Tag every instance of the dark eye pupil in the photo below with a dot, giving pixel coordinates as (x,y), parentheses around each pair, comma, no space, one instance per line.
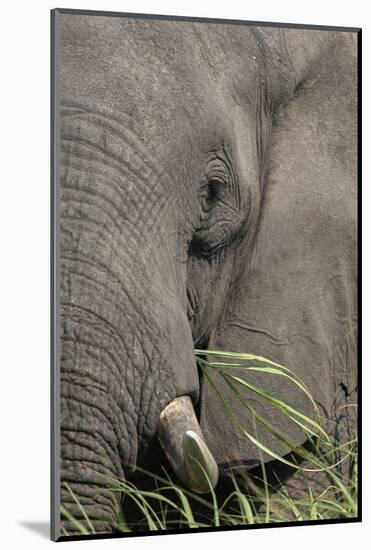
(216,189)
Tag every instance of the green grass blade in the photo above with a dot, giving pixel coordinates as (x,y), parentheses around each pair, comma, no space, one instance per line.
(80,507)
(279,370)
(244,504)
(79,526)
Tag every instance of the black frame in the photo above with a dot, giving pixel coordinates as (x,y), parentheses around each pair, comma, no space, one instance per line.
(54,274)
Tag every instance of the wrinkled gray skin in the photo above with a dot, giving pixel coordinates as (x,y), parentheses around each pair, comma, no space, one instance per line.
(208,198)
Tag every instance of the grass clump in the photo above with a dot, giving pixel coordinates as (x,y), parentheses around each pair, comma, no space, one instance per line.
(257,499)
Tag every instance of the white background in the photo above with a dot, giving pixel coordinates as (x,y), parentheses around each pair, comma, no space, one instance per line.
(24,271)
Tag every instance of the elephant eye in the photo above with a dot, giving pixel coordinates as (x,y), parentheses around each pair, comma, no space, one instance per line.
(216,189)
(213,192)
(220,215)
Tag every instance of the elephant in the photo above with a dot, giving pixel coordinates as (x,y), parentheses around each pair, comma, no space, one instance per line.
(208,199)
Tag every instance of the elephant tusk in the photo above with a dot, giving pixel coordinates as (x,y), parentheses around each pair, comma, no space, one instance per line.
(199,461)
(182,441)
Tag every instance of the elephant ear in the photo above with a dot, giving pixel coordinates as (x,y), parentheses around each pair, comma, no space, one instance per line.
(295,301)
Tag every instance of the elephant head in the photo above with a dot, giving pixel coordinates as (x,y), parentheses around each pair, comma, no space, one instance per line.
(207,199)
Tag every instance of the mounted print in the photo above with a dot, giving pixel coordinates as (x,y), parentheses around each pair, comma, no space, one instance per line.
(204,277)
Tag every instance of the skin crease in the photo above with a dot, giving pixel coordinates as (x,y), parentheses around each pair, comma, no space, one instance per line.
(156,258)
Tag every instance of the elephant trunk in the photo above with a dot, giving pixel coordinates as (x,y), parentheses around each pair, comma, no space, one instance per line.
(87,501)
(98,431)
(126,344)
